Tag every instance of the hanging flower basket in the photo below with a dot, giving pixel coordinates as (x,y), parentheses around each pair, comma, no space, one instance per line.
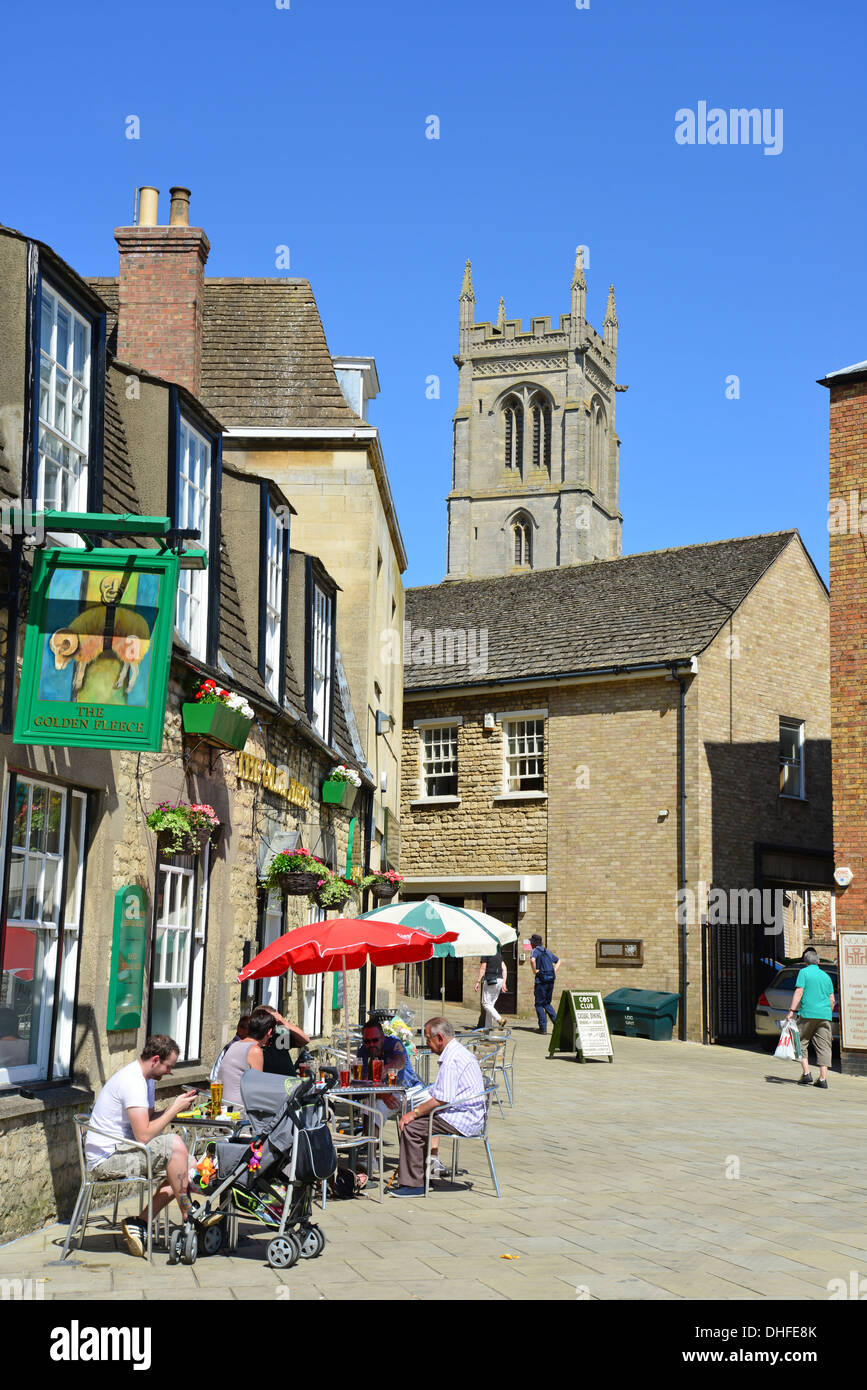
(297,885)
(183,829)
(384,892)
(332,902)
(294,872)
(340,787)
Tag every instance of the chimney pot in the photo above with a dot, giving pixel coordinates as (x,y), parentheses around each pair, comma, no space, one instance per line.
(179,216)
(148,206)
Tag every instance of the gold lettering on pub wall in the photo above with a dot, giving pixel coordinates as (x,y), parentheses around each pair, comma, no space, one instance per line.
(275,779)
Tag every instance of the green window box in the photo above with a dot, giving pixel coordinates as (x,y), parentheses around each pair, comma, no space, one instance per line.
(217,723)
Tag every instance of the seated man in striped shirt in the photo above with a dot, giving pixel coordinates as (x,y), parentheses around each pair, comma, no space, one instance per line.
(459,1078)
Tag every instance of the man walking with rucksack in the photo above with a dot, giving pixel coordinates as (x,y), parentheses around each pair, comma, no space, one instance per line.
(544,965)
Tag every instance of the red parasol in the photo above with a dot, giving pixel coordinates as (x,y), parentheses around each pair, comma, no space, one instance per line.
(345,943)
(19,951)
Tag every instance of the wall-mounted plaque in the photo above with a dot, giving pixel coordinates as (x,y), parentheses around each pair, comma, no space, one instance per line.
(618,951)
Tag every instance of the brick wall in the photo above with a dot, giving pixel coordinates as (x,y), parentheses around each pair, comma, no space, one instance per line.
(848,475)
(161,296)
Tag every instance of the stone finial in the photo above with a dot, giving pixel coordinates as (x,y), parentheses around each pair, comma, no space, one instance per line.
(611,311)
(467,286)
(501,316)
(578,281)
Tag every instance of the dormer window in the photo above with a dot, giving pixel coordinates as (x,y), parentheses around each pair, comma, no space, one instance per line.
(65,404)
(321,606)
(275,568)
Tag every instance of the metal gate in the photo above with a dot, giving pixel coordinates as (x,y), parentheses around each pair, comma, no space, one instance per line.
(732,956)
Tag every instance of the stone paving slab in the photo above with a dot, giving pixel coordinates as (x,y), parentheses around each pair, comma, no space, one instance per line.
(615,1187)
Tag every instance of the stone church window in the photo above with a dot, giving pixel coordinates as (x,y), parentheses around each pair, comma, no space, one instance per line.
(522,533)
(541,417)
(513,420)
(598,446)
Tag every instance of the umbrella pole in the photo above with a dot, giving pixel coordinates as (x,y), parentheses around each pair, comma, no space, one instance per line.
(345,1012)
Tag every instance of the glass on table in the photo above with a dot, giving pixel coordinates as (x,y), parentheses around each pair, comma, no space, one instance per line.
(356,1071)
(376,1071)
(216,1098)
(392,1078)
(344,1079)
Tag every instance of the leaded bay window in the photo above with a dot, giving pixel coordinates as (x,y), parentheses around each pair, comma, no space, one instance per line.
(193,511)
(439,760)
(41,920)
(524,755)
(65,345)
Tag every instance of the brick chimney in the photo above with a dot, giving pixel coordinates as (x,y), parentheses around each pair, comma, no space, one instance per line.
(161,291)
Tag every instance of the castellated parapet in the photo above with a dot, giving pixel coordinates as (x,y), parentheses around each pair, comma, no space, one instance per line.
(536,471)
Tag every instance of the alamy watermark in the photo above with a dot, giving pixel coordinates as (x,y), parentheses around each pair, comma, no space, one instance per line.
(736,126)
(22,519)
(739,907)
(445,646)
(848,516)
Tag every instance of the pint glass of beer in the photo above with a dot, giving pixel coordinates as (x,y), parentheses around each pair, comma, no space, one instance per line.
(216,1098)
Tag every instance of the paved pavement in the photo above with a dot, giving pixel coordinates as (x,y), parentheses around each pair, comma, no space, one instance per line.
(680,1172)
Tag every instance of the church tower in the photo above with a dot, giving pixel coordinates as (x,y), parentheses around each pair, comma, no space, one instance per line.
(535,481)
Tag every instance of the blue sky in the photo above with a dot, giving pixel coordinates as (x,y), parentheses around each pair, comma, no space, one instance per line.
(306,127)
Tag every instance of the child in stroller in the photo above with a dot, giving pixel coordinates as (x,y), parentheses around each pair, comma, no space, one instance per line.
(269,1175)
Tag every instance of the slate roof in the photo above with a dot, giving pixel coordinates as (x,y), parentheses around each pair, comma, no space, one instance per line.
(659,606)
(265,358)
(118,489)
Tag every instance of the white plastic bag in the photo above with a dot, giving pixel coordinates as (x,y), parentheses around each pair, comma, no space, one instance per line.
(789,1045)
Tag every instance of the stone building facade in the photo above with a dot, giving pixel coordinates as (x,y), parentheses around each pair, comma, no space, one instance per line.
(613,774)
(536,470)
(122,439)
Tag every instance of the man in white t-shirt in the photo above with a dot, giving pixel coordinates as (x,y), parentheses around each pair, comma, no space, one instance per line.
(125,1108)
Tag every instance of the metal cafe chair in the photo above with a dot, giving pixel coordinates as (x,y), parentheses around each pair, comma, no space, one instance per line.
(457,1139)
(490,1053)
(91,1184)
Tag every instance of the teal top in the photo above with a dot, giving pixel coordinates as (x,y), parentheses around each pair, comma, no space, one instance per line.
(818,988)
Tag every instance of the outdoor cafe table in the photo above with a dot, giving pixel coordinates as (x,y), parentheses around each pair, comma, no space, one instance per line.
(367,1092)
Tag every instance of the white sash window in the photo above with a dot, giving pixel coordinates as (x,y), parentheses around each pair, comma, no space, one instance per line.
(42,919)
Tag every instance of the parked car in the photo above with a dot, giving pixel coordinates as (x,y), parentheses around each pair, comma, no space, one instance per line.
(775,1001)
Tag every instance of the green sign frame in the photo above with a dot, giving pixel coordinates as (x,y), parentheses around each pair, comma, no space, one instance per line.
(98,648)
(128,948)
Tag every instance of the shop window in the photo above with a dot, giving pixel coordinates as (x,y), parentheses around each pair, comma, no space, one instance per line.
(42,910)
(178,951)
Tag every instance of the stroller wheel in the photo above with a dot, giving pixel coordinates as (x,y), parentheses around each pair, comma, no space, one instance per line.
(312,1242)
(191,1248)
(176,1242)
(212,1240)
(284,1251)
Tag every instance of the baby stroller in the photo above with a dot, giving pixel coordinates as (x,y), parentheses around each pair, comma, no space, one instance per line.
(270,1175)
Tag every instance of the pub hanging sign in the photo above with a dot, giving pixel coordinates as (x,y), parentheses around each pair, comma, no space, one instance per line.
(98,647)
